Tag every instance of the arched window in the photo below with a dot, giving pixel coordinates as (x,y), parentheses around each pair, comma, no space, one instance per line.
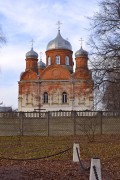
(67,60)
(64,97)
(57,59)
(45,97)
(49,60)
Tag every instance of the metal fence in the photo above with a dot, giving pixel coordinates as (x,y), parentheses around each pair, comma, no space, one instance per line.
(59,123)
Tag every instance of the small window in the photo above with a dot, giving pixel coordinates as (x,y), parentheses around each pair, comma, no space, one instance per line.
(49,60)
(57,59)
(45,97)
(67,60)
(64,97)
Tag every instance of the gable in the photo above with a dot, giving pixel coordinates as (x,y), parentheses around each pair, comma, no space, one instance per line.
(55,72)
(29,75)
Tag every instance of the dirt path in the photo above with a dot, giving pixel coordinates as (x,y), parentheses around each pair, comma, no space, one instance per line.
(44,170)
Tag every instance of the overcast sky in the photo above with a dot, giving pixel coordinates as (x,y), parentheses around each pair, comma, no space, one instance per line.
(24,20)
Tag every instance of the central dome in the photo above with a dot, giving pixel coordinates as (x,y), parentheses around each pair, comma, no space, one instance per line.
(59,43)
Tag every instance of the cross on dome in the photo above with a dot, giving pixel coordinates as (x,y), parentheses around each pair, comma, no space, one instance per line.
(58,24)
(32,41)
(81,40)
(41,56)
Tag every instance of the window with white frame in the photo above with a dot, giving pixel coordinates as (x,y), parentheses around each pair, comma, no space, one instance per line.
(64,97)
(45,97)
(67,60)
(57,59)
(49,60)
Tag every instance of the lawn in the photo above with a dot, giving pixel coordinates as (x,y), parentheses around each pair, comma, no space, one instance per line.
(106,147)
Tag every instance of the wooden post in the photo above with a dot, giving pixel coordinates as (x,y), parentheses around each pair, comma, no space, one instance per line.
(75,155)
(95,169)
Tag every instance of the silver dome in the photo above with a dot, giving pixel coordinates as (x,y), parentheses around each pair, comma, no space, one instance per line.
(31,54)
(81,52)
(41,64)
(59,43)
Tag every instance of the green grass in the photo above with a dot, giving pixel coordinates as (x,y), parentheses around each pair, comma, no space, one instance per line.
(26,147)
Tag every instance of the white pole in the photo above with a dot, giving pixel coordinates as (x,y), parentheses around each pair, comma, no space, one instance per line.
(95,169)
(75,155)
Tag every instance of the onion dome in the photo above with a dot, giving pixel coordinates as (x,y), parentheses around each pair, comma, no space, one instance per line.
(81,53)
(59,43)
(41,64)
(31,54)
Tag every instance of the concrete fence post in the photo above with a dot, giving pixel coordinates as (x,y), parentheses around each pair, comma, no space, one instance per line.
(21,123)
(95,169)
(75,155)
(48,123)
(101,123)
(74,119)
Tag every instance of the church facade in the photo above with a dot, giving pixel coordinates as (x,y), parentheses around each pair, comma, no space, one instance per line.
(54,86)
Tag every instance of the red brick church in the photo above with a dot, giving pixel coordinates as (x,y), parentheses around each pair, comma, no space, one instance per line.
(53,85)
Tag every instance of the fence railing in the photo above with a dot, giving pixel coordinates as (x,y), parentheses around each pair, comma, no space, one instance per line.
(55,123)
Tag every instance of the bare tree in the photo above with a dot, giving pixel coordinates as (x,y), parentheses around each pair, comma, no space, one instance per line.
(105,48)
(2,37)
(2,41)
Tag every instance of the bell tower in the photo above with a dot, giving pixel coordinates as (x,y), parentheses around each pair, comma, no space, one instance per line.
(31,59)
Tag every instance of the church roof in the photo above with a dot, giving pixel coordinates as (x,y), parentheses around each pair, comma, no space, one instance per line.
(41,64)
(31,54)
(81,52)
(59,43)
